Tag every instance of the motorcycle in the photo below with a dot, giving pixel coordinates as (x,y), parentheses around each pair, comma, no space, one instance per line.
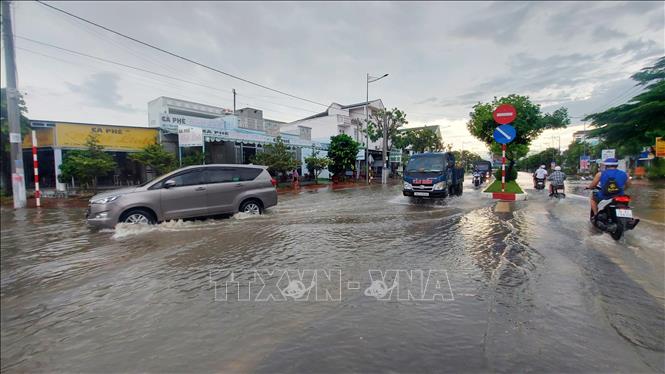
(477,179)
(557,192)
(614,216)
(540,183)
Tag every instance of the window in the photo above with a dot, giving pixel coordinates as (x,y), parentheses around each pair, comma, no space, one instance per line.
(189,178)
(249,174)
(224,175)
(218,175)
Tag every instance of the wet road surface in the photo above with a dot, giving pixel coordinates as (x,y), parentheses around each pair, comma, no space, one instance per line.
(535,289)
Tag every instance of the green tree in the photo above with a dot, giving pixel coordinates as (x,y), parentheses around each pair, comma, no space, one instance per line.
(545,157)
(315,164)
(420,140)
(86,165)
(192,157)
(530,123)
(392,119)
(277,157)
(5,150)
(636,124)
(156,158)
(466,159)
(342,153)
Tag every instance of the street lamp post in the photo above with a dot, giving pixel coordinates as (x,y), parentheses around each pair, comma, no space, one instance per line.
(369,80)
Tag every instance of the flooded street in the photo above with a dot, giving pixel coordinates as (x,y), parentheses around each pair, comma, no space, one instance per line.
(535,289)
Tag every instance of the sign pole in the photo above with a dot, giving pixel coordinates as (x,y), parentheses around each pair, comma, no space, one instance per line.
(180,155)
(35,165)
(503,168)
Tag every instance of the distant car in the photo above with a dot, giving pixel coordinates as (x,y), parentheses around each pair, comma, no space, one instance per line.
(190,192)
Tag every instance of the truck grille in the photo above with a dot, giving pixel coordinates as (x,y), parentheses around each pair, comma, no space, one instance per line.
(422,188)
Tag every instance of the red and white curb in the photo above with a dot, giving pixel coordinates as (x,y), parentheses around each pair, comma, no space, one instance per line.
(506,196)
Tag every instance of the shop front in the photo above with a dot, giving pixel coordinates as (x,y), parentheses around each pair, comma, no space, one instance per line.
(55,139)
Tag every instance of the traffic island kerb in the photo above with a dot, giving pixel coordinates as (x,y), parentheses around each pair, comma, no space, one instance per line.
(494,192)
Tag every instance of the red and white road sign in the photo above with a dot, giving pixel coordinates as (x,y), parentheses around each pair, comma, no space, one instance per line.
(504,114)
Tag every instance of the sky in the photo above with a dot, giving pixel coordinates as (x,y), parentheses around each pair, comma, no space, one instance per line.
(441,57)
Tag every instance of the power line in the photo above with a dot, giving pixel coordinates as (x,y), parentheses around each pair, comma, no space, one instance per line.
(149,72)
(177,55)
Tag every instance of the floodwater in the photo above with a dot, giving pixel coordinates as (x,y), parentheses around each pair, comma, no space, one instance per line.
(534,289)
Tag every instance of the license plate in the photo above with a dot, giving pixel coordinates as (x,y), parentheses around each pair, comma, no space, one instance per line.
(421,194)
(624,213)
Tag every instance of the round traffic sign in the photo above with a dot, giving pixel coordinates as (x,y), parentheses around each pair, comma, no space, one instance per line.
(504,114)
(504,134)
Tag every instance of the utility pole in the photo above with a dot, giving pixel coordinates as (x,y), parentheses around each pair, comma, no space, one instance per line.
(13,114)
(234,101)
(384,172)
(366,132)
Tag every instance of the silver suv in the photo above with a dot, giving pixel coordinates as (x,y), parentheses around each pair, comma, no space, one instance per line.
(194,191)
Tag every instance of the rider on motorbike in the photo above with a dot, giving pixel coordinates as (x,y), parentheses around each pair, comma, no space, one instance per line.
(540,173)
(612,183)
(556,179)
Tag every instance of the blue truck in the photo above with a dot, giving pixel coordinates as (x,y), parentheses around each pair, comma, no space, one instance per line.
(432,175)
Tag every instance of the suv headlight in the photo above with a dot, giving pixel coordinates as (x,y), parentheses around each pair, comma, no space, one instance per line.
(439,186)
(408,186)
(104,200)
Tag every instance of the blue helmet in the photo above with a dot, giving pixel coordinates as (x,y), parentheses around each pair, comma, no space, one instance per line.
(611,162)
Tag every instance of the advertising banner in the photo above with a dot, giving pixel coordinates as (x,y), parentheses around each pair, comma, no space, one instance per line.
(112,138)
(585,162)
(660,147)
(190,136)
(607,153)
(44,138)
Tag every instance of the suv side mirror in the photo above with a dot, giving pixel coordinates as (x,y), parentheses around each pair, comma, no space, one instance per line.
(169,183)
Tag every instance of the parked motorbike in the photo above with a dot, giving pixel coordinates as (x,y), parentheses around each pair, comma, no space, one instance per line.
(540,183)
(614,216)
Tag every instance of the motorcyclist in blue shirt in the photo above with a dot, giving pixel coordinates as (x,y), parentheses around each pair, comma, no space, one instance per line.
(611,181)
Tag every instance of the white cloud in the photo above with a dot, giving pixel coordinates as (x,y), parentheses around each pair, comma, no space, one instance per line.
(442,57)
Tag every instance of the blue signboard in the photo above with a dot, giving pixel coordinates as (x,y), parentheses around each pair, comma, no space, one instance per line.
(504,134)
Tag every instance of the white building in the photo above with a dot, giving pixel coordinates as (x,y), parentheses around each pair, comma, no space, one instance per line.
(343,119)
(228,137)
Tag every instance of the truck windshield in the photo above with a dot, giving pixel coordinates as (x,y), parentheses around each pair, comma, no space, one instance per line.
(482,167)
(426,164)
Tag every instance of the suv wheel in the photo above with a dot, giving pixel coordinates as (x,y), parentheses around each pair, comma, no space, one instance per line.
(138,217)
(251,207)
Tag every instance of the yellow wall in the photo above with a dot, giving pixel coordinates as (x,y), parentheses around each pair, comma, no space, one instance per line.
(44,138)
(660,147)
(70,135)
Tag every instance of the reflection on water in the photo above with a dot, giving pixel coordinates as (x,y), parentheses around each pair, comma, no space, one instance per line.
(531,290)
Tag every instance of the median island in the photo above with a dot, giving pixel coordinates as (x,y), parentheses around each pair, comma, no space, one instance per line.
(511,187)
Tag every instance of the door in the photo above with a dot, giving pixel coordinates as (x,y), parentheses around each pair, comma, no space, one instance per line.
(187,198)
(225,184)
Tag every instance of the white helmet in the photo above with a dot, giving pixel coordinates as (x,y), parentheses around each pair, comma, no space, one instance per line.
(542,166)
(557,168)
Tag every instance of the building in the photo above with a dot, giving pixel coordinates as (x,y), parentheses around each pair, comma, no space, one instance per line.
(56,138)
(224,136)
(344,119)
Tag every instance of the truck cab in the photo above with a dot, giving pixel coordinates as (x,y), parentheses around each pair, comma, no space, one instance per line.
(432,175)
